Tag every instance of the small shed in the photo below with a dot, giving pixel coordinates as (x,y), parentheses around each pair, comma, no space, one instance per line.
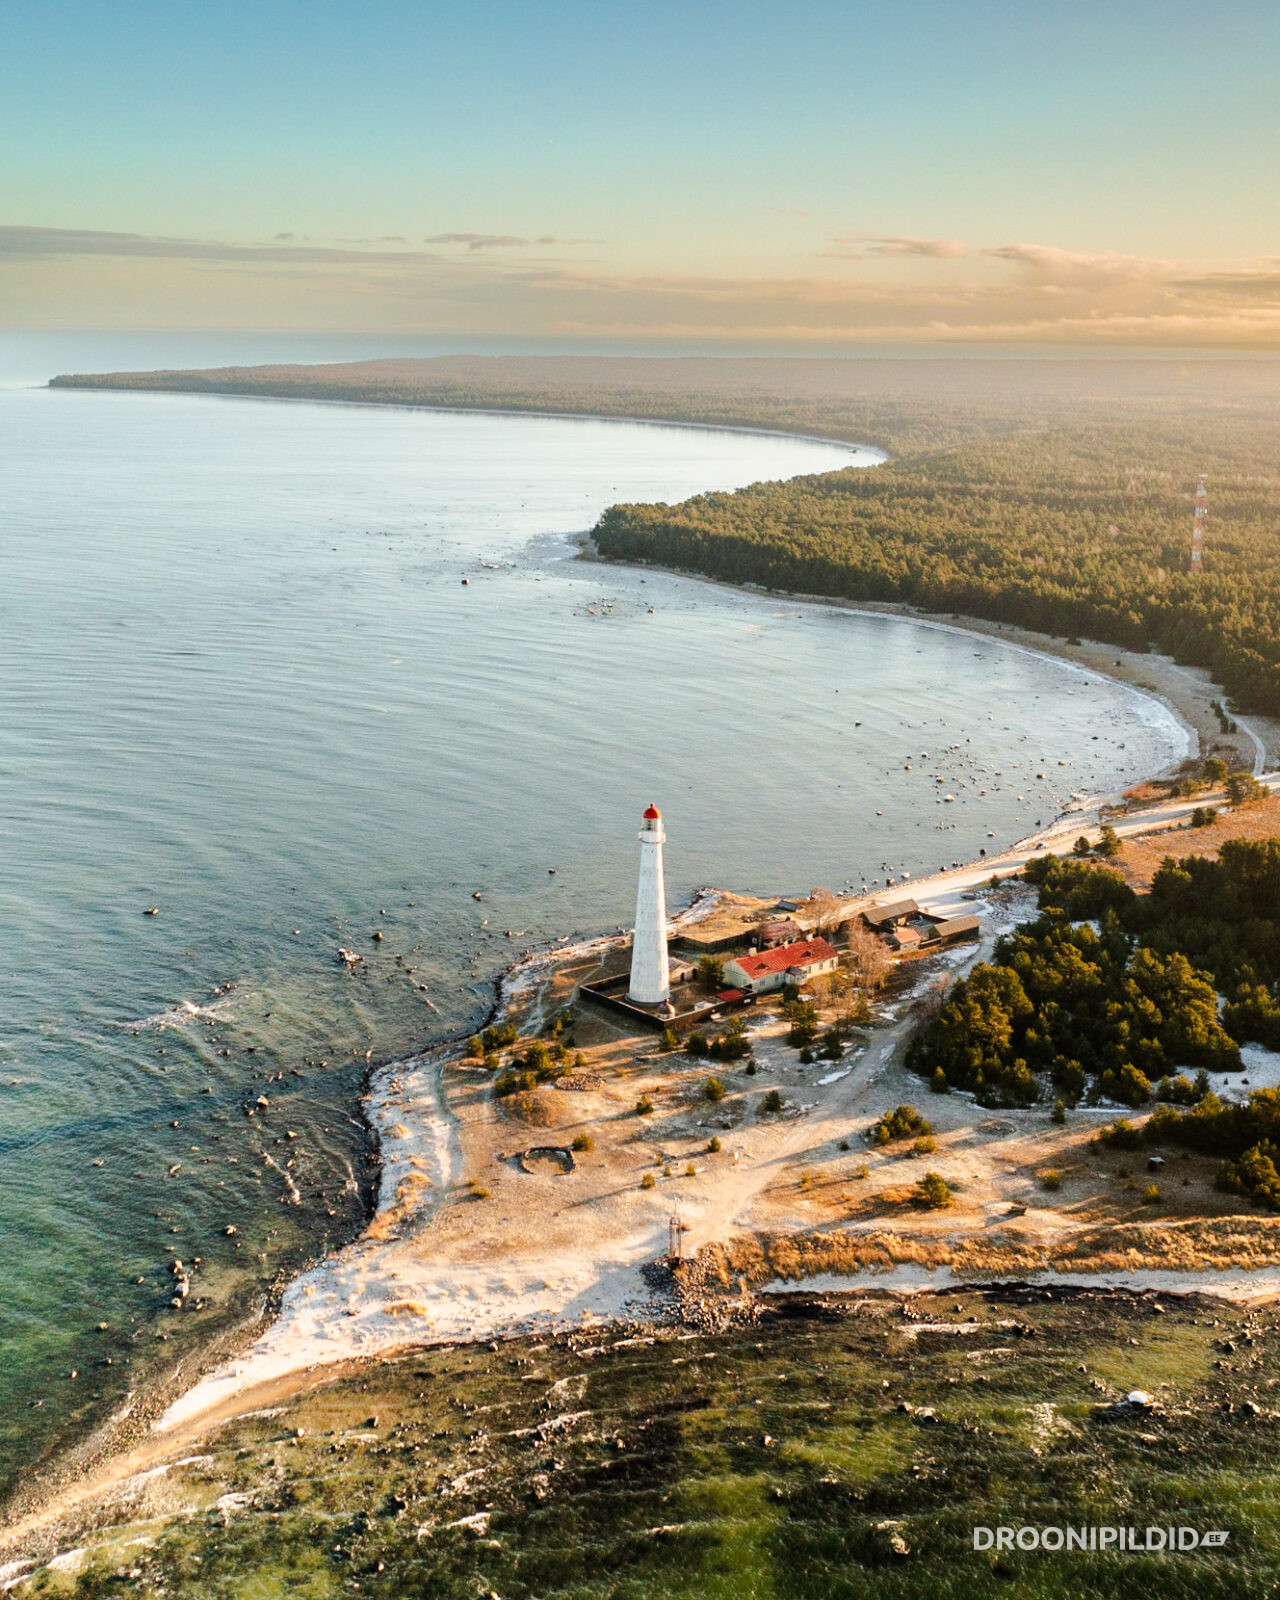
(781,930)
(953,929)
(881,918)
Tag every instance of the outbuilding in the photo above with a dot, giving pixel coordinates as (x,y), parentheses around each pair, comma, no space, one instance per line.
(952,929)
(881,918)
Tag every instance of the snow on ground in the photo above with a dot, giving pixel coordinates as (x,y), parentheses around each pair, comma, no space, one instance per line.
(1261,1284)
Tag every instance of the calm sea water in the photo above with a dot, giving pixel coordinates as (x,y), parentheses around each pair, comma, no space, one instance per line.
(243,682)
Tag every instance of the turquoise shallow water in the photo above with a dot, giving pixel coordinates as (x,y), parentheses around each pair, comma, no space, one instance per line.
(242,681)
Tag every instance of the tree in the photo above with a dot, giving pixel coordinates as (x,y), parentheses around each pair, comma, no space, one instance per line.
(1243,789)
(868,959)
(1109,844)
(711,972)
(1214,771)
(803,1015)
(713,1090)
(1081,847)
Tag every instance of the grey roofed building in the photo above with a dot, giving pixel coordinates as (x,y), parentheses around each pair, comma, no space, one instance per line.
(886,915)
(953,928)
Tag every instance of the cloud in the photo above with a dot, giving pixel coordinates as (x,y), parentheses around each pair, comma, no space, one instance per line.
(896,244)
(477,241)
(499,241)
(1075,269)
(498,285)
(37,243)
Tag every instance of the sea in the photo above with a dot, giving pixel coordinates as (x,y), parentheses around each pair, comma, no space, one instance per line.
(279,679)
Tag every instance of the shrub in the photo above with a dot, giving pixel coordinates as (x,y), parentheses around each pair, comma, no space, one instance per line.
(668,1041)
(1255,1174)
(1121,1135)
(695,1045)
(1050,1178)
(1127,1084)
(583,1142)
(475,1046)
(648,1181)
(924,1147)
(644,1106)
(932,1193)
(902,1123)
(713,1090)
(751,1068)
(806,1056)
(1204,816)
(479,1192)
(514,1081)
(1150,1195)
(713,1146)
(860,1171)
(1181,1091)
(730,1046)
(691,1171)
(1059,1112)
(772,1102)
(938,1083)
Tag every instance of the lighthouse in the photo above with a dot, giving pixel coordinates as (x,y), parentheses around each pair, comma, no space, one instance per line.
(650,981)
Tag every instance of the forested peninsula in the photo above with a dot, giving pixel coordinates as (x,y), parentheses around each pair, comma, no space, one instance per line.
(1055,495)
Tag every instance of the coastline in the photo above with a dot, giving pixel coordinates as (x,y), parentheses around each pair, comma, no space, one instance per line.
(386,1103)
(1185,693)
(486,411)
(1183,690)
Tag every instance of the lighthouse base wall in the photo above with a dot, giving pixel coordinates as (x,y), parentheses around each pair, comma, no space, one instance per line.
(689,1010)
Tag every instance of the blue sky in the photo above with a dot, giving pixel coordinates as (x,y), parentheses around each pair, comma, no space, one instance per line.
(823,171)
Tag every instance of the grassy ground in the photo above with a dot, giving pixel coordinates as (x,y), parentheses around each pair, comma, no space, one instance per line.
(837,1447)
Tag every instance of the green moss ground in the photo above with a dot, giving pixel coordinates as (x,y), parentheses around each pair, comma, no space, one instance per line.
(779,1459)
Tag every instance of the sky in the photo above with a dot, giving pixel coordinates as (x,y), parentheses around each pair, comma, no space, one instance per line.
(823,175)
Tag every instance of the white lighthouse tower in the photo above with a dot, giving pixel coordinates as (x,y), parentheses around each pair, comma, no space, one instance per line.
(650,980)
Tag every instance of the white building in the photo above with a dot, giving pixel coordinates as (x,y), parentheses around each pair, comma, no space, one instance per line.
(789,963)
(650,976)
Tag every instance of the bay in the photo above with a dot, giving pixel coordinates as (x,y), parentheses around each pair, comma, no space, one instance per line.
(243,682)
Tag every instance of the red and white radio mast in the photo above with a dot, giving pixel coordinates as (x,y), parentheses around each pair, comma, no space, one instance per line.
(1197,526)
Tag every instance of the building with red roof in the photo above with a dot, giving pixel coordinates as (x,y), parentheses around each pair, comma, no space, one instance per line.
(789,963)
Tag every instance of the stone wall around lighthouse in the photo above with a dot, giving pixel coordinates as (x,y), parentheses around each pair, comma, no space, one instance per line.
(650,978)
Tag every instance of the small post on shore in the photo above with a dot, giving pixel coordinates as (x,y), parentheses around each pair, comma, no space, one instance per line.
(675,1228)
